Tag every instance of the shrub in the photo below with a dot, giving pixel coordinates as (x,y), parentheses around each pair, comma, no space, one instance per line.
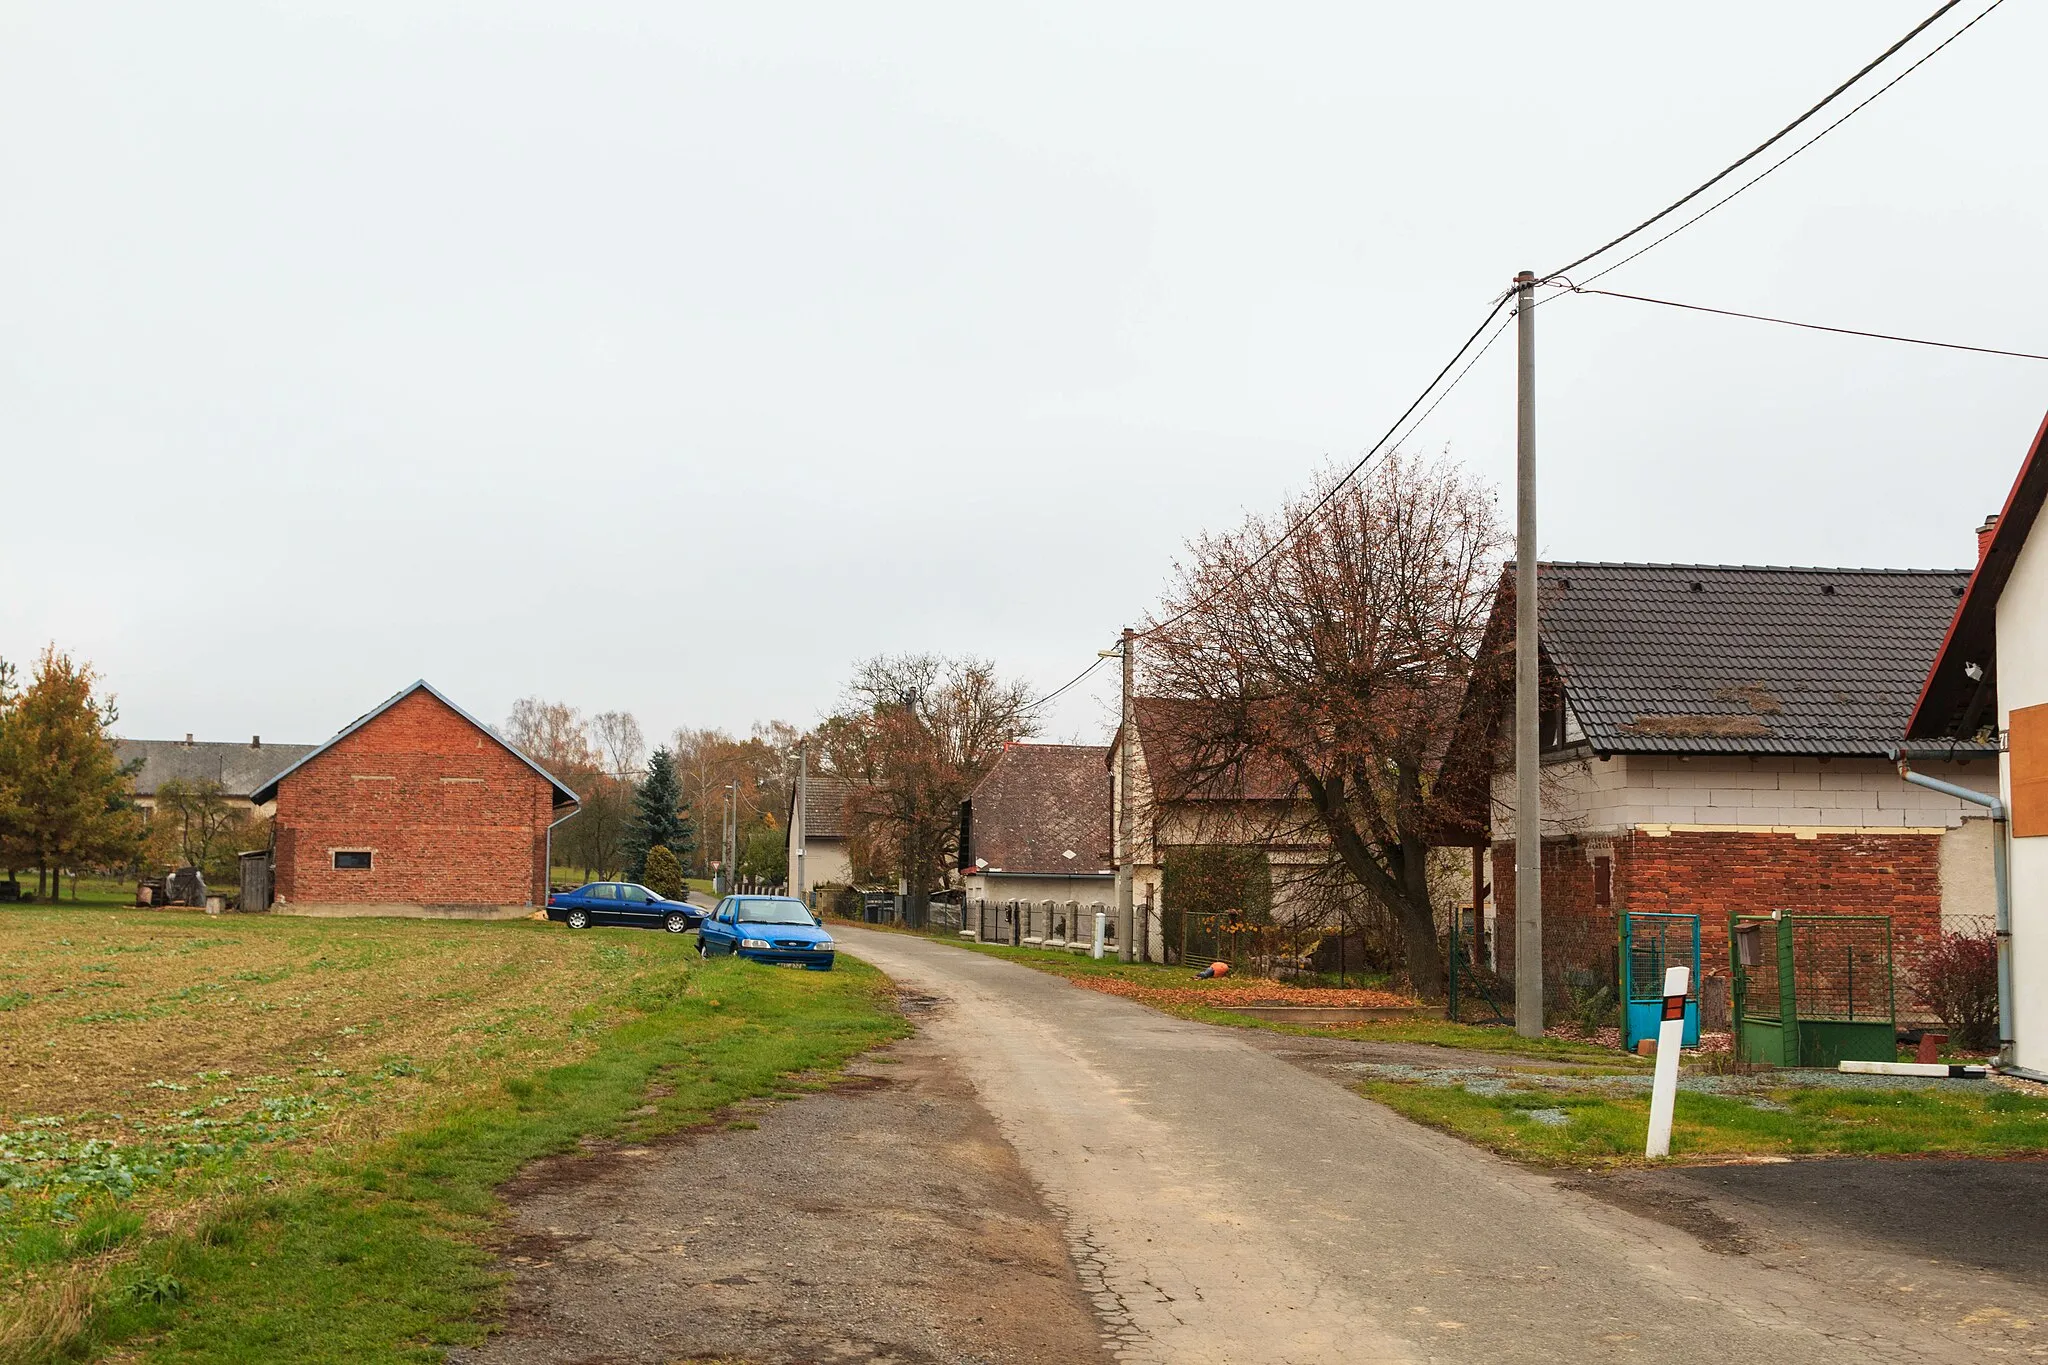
(663,874)
(1958,984)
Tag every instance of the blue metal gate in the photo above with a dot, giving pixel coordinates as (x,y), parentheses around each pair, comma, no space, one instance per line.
(1649,944)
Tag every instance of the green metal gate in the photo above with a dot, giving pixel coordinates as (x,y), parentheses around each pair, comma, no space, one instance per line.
(1813,990)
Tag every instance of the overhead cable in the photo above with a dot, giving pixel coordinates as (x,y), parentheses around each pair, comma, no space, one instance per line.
(1866,103)
(1069,683)
(1815,326)
(1760,148)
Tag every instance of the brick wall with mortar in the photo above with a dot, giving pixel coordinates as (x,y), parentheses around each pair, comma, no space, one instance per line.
(1715,873)
(450,816)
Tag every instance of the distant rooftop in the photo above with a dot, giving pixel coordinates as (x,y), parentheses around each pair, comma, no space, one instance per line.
(240,768)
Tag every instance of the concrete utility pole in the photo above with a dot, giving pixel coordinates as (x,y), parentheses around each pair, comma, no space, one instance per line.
(1126,868)
(803,832)
(1528,740)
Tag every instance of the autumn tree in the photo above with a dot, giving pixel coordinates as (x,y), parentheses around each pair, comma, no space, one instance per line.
(763,767)
(67,801)
(1339,655)
(915,733)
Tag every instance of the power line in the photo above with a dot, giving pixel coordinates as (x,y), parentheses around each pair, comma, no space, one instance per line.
(1608,270)
(1760,148)
(1815,326)
(1459,379)
(1306,517)
(1071,682)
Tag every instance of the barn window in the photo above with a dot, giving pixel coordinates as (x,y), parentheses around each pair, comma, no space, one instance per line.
(357,860)
(1603,882)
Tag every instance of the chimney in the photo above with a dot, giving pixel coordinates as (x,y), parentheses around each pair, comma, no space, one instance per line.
(255,741)
(188,739)
(1984,534)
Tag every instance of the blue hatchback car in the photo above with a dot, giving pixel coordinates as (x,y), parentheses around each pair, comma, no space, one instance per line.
(774,929)
(627,903)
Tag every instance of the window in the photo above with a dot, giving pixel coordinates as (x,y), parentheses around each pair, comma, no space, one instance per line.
(1603,882)
(633,893)
(604,891)
(351,860)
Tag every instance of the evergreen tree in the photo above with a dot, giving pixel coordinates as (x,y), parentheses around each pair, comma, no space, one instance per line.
(663,875)
(658,817)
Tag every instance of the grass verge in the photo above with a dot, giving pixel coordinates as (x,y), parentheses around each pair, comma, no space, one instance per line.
(1590,1126)
(308,1201)
(1174,990)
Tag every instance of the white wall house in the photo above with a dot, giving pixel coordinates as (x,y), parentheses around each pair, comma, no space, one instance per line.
(1991,681)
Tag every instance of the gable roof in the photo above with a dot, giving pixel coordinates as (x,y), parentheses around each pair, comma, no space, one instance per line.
(239,768)
(1039,802)
(1682,658)
(824,812)
(563,796)
(1948,694)
(1173,736)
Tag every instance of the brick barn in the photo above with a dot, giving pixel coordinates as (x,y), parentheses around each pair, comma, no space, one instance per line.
(416,809)
(1715,740)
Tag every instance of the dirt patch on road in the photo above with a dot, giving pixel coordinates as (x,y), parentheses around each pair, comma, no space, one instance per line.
(883,1220)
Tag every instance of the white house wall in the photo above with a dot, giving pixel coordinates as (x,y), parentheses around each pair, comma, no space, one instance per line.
(2022,624)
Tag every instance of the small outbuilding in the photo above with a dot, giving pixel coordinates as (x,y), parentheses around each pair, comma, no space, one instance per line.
(416,809)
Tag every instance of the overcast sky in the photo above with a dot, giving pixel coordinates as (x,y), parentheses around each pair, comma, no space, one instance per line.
(672,357)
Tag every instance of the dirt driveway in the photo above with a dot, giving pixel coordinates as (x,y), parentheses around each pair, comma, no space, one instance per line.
(882,1221)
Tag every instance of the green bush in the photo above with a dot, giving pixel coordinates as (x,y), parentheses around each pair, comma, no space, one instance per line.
(663,874)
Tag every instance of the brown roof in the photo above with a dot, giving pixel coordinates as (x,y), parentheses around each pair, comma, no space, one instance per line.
(1178,739)
(1951,702)
(824,806)
(1038,803)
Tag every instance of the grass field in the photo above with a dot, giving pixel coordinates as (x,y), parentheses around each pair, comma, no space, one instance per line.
(275,1139)
(1583,1125)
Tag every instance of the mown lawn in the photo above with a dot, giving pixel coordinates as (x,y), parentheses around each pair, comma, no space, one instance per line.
(1175,991)
(1594,1126)
(276,1139)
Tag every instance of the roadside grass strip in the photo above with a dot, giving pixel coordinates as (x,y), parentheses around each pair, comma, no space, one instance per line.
(1175,991)
(282,1145)
(1595,1119)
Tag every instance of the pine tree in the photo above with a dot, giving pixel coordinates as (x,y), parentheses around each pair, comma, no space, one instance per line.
(658,818)
(663,875)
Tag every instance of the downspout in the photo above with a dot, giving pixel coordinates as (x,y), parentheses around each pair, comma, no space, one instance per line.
(2000,878)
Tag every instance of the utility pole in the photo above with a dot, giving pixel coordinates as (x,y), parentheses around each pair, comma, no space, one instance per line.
(802,826)
(1528,740)
(1126,867)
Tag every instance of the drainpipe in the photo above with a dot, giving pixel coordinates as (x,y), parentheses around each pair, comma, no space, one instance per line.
(2000,877)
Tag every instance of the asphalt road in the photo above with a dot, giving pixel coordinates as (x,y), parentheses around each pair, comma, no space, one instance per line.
(1226,1206)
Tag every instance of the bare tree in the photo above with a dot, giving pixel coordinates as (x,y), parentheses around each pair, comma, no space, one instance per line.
(1340,655)
(915,733)
(620,746)
(552,734)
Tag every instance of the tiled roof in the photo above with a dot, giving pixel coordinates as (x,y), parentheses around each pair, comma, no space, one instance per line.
(239,768)
(824,806)
(1677,658)
(1191,754)
(1040,802)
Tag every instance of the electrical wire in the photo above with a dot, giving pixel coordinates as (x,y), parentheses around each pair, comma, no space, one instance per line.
(1760,148)
(1608,270)
(1814,326)
(1074,681)
(1306,517)
(1459,379)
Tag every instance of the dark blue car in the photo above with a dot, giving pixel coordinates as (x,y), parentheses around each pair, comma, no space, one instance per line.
(775,929)
(626,903)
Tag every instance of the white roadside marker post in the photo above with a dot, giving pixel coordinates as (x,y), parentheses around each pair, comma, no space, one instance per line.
(1670,1039)
(1101,929)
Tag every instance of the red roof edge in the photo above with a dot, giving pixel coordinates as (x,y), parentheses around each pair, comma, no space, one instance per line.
(1980,598)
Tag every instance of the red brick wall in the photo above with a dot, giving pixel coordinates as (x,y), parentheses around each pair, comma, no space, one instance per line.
(1713,875)
(450,816)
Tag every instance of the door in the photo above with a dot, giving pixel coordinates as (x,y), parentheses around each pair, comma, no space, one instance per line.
(602,901)
(719,932)
(635,906)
